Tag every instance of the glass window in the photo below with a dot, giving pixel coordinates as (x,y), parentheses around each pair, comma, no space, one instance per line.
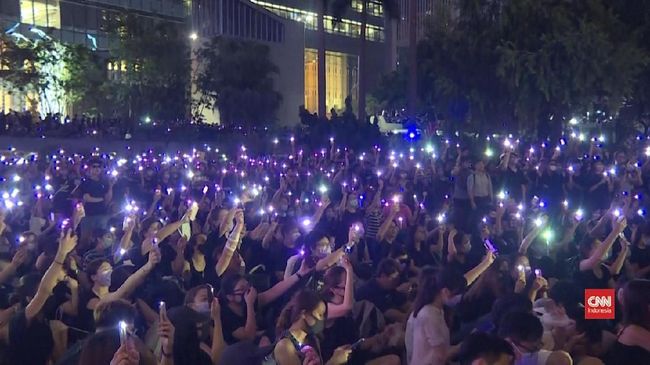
(42,13)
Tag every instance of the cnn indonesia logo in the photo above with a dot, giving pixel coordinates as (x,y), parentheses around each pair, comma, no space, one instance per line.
(599,304)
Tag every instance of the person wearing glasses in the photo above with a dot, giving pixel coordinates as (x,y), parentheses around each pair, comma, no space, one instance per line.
(96,193)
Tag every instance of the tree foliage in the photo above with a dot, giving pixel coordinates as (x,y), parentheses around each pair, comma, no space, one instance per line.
(237,77)
(155,79)
(522,63)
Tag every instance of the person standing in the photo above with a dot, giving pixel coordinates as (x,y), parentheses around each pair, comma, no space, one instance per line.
(96,194)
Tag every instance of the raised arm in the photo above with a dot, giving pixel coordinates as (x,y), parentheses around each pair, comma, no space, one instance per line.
(218,343)
(451,247)
(268,236)
(280,288)
(71,307)
(167,230)
(387,222)
(135,280)
(530,237)
(601,250)
(231,245)
(67,243)
(479,269)
(341,310)
(617,265)
(10,270)
(249,331)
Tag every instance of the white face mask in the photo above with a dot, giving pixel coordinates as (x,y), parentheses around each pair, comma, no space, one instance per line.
(104,277)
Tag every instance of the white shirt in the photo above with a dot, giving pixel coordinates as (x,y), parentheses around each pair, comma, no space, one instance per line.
(423,334)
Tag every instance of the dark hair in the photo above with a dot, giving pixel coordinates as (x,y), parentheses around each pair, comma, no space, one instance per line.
(568,295)
(483,346)
(510,303)
(387,267)
(586,244)
(636,300)
(432,281)
(193,292)
(100,347)
(305,300)
(119,276)
(93,266)
(312,239)
(288,226)
(521,327)
(109,314)
(330,280)
(228,284)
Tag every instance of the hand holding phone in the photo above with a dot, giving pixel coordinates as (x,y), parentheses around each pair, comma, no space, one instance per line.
(357,344)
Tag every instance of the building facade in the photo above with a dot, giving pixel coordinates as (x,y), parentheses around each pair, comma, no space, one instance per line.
(241,19)
(428,12)
(342,43)
(76,21)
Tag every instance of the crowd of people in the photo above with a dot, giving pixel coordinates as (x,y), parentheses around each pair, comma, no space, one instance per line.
(26,124)
(441,251)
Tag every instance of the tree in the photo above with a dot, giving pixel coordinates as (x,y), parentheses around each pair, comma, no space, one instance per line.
(237,77)
(390,7)
(566,59)
(84,78)
(522,63)
(36,66)
(154,65)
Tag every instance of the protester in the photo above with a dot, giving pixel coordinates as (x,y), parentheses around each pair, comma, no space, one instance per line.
(408,254)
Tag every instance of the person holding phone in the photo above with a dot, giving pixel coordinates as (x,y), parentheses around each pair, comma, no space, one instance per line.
(299,323)
(242,302)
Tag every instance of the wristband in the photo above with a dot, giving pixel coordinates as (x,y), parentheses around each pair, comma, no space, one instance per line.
(60,263)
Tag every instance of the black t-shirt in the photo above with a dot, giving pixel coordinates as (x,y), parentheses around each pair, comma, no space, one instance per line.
(231,321)
(29,343)
(602,192)
(278,255)
(640,256)
(589,280)
(61,199)
(381,298)
(96,189)
(511,181)
(628,355)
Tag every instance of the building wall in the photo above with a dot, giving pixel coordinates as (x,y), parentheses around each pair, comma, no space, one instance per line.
(341,40)
(241,19)
(75,21)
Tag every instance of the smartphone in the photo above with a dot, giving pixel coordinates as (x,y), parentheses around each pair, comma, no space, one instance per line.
(162,309)
(357,344)
(123,333)
(489,246)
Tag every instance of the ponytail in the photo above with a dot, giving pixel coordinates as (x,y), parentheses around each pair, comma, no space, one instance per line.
(304,300)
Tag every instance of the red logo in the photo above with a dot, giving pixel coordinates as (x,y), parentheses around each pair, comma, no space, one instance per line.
(599,304)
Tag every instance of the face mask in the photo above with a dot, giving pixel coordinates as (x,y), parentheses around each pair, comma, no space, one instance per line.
(354,204)
(552,168)
(317,328)
(104,278)
(202,307)
(31,246)
(108,242)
